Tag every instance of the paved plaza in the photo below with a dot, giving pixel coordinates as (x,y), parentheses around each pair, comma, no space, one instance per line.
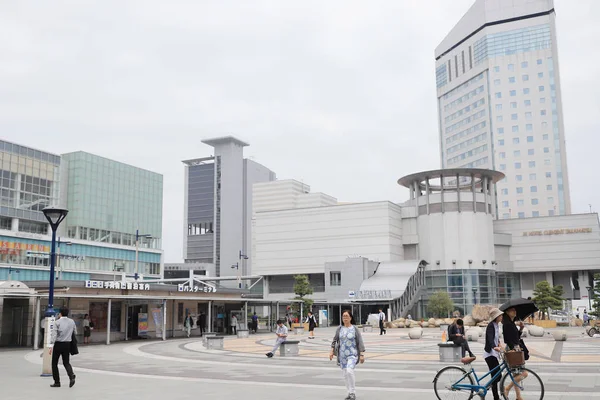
(395,367)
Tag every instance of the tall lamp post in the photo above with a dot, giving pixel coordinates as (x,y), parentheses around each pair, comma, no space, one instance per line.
(60,271)
(242,258)
(474,296)
(137,242)
(54,216)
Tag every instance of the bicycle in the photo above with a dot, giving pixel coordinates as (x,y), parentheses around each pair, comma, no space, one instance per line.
(452,381)
(593,331)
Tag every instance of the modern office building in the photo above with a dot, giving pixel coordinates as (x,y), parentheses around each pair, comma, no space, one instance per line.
(218,207)
(446,237)
(500,104)
(107,202)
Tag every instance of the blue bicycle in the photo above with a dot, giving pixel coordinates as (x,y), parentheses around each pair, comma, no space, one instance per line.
(454,382)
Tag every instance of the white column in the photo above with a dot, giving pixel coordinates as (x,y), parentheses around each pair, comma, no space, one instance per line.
(485,192)
(14,226)
(209,321)
(36,324)
(108,321)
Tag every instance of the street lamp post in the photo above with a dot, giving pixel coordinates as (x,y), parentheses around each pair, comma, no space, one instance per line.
(137,241)
(242,258)
(58,267)
(54,216)
(474,296)
(237,266)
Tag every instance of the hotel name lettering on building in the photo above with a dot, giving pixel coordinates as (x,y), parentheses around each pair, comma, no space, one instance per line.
(374,294)
(186,288)
(117,285)
(551,232)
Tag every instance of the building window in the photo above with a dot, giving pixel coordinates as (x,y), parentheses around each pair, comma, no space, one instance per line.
(533,189)
(524,64)
(548,174)
(502,155)
(514,117)
(536,213)
(496,69)
(539,61)
(526,91)
(498,95)
(513,92)
(540,74)
(542,100)
(544,124)
(335,279)
(550,200)
(501,142)
(521,215)
(515,128)
(546,150)
(498,107)
(505,204)
(502,167)
(511,67)
(499,118)
(529,128)
(548,187)
(497,82)
(518,165)
(516,140)
(519,178)
(513,104)
(545,136)
(505,191)
(534,202)
(520,203)
(532,177)
(512,79)
(528,116)
(527,103)
(525,78)
(530,152)
(543,112)
(517,153)
(519,190)
(529,139)
(531,164)
(551,213)
(500,131)
(541,89)
(547,162)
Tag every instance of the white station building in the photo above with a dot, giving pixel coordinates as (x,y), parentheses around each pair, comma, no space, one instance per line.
(445,237)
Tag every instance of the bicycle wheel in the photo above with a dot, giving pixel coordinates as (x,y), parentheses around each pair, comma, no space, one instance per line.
(449,376)
(592,332)
(532,387)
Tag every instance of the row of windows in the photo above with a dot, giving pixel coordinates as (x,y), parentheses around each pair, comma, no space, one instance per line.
(202,228)
(462,88)
(512,79)
(467,143)
(464,98)
(518,165)
(464,110)
(465,121)
(466,154)
(524,64)
(532,177)
(466,132)
(528,128)
(441,75)
(515,117)
(476,163)
(512,42)
(521,202)
(514,105)
(31,153)
(521,214)
(526,91)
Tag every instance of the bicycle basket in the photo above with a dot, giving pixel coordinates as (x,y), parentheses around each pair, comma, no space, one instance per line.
(515,358)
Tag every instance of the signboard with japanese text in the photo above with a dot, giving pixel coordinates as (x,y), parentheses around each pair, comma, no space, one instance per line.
(117,285)
(550,232)
(196,289)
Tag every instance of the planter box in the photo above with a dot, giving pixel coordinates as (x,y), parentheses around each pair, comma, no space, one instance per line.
(545,323)
(304,326)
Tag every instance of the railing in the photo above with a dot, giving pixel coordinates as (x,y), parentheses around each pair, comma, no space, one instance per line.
(290,289)
(402,305)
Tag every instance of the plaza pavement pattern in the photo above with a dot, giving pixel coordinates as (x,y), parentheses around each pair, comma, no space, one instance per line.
(183,369)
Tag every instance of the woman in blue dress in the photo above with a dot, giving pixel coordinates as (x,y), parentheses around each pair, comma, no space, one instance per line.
(350,348)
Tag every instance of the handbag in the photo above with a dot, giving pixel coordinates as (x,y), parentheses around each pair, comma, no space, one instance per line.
(73,350)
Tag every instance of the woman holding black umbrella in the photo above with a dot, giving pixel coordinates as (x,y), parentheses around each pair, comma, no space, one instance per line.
(512,338)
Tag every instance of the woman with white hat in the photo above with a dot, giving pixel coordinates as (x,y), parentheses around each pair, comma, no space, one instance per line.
(493,348)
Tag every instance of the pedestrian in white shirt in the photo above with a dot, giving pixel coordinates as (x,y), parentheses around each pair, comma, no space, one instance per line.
(233,324)
(61,337)
(282,333)
(381,322)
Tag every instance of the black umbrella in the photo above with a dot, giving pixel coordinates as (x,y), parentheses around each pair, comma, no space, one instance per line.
(524,307)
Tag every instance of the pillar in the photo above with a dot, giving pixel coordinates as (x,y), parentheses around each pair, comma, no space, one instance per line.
(209,319)
(164,330)
(126,321)
(458,190)
(277,311)
(245,316)
(442,192)
(36,324)
(494,195)
(14,226)
(474,192)
(108,322)
(485,192)
(427,190)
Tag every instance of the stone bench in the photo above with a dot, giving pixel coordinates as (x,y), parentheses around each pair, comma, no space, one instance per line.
(367,328)
(450,352)
(299,330)
(243,333)
(214,343)
(206,336)
(289,348)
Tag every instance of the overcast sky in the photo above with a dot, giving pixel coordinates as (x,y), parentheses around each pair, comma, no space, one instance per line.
(339,94)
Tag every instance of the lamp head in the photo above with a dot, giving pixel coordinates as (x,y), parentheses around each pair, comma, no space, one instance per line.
(55,216)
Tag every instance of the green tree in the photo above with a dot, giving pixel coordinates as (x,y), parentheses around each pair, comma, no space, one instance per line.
(302,288)
(595,297)
(547,296)
(440,304)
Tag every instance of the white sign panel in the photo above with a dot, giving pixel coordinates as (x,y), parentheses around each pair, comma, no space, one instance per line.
(117,285)
(195,289)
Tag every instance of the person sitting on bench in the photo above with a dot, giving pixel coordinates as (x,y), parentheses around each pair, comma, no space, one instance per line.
(456,333)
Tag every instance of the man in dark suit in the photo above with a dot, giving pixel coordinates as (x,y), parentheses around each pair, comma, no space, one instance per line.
(201,323)
(456,333)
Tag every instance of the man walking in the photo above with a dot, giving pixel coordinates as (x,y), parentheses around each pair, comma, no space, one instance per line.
(234,323)
(255,322)
(61,340)
(381,322)
(282,333)
(201,322)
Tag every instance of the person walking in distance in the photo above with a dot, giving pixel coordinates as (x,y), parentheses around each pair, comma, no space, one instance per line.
(349,347)
(312,324)
(493,348)
(87,330)
(201,322)
(233,324)
(187,325)
(456,333)
(61,338)
(282,333)
(254,322)
(382,329)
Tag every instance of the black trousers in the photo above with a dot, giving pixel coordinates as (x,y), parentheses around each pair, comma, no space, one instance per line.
(201,329)
(492,363)
(464,344)
(381,327)
(61,349)
(234,330)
